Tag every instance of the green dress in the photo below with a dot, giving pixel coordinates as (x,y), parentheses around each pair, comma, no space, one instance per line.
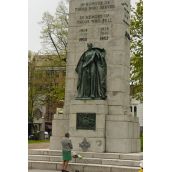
(66,149)
(66,155)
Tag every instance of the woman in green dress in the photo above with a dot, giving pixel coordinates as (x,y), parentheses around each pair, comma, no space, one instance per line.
(66,151)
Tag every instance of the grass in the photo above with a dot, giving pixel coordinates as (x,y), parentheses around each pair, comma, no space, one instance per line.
(38,141)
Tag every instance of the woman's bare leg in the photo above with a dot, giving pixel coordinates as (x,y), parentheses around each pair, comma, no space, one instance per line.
(66,165)
(63,165)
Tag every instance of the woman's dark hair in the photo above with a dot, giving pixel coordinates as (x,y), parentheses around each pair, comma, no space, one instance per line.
(67,134)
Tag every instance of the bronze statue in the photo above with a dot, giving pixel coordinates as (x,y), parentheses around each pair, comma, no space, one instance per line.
(92,70)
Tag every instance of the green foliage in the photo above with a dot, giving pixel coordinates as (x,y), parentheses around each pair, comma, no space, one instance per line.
(43,88)
(55,93)
(31,89)
(136,31)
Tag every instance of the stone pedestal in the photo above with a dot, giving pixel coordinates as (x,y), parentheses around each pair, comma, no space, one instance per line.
(60,126)
(94,137)
(122,134)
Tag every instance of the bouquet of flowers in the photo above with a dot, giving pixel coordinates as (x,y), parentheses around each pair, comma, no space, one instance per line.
(75,155)
(141,167)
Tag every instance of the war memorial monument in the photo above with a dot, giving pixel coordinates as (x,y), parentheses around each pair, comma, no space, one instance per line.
(97,79)
(97,103)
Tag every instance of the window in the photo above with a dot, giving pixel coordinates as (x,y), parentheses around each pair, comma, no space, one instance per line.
(135,110)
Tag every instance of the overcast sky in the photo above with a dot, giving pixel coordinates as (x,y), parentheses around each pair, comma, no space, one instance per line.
(36,9)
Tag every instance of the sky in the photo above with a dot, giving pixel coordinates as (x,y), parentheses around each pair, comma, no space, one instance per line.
(35,10)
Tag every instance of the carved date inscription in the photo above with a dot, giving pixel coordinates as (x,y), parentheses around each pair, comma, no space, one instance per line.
(104,33)
(83,34)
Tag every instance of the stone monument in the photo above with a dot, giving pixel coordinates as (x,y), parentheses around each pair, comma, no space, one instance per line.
(96,110)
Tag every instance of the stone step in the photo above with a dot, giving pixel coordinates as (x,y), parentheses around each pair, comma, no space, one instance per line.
(119,162)
(130,156)
(38,170)
(46,165)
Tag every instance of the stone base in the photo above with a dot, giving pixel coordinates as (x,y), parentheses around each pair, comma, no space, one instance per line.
(96,144)
(113,133)
(123,145)
(122,134)
(59,128)
(96,138)
(55,143)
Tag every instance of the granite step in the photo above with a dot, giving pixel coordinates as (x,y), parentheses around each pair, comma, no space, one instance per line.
(119,162)
(81,167)
(122,156)
(38,170)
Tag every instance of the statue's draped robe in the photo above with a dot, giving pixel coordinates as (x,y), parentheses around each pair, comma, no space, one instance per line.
(92,71)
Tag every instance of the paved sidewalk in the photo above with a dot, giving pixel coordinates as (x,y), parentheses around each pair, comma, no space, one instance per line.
(39,146)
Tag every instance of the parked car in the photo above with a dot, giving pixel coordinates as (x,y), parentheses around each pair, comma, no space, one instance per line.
(31,137)
(37,135)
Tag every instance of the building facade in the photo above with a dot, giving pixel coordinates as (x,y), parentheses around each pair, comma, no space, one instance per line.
(46,75)
(136,109)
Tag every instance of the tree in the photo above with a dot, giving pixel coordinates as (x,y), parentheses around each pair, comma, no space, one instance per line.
(43,86)
(53,90)
(136,50)
(35,97)
(54,31)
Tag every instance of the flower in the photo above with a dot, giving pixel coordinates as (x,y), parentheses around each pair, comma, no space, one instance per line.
(75,155)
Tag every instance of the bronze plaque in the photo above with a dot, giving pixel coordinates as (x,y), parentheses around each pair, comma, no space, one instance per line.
(86,121)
